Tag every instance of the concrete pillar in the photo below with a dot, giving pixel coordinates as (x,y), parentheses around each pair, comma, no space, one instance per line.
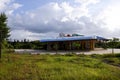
(92,43)
(83,45)
(48,46)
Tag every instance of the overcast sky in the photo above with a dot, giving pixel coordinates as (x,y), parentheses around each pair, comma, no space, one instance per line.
(38,19)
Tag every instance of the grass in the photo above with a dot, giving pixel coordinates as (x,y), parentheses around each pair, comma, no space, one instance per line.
(60,67)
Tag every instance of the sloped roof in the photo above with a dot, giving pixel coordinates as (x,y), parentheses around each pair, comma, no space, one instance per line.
(72,38)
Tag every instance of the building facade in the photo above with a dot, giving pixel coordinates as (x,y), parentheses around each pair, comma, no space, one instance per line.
(73,42)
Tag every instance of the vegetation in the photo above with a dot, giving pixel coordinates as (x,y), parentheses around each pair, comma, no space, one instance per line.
(16,44)
(60,67)
(113,43)
(3,27)
(4,30)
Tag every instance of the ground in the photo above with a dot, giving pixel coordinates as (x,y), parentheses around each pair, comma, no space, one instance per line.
(59,67)
(96,51)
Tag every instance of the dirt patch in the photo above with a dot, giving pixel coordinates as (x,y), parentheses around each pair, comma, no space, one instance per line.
(111,62)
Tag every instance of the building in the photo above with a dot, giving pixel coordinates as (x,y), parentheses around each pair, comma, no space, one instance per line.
(73,42)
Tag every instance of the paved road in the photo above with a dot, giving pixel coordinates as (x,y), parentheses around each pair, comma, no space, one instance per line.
(97,51)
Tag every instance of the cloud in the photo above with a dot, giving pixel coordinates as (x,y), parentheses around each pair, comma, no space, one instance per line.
(53,18)
(25,35)
(3,4)
(16,34)
(87,2)
(110,16)
(9,6)
(56,18)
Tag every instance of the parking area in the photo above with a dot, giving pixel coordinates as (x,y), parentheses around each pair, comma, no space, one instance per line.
(96,51)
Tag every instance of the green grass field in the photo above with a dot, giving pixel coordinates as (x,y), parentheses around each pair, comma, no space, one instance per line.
(60,67)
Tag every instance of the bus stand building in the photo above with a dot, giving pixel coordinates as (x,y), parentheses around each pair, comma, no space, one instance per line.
(73,42)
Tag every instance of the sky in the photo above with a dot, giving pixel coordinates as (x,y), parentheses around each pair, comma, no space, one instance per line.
(40,19)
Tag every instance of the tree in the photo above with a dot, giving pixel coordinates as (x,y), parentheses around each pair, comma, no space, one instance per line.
(114,43)
(4,30)
(76,45)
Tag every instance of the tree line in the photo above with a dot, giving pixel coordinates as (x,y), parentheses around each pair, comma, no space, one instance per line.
(26,44)
(111,43)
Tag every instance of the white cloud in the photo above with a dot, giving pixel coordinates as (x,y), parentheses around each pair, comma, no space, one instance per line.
(25,35)
(16,34)
(53,18)
(66,7)
(3,4)
(8,6)
(87,2)
(110,17)
(56,18)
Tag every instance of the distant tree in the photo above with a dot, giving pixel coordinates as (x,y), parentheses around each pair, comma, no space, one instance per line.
(114,43)
(17,41)
(25,40)
(76,45)
(4,30)
(14,41)
(116,39)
